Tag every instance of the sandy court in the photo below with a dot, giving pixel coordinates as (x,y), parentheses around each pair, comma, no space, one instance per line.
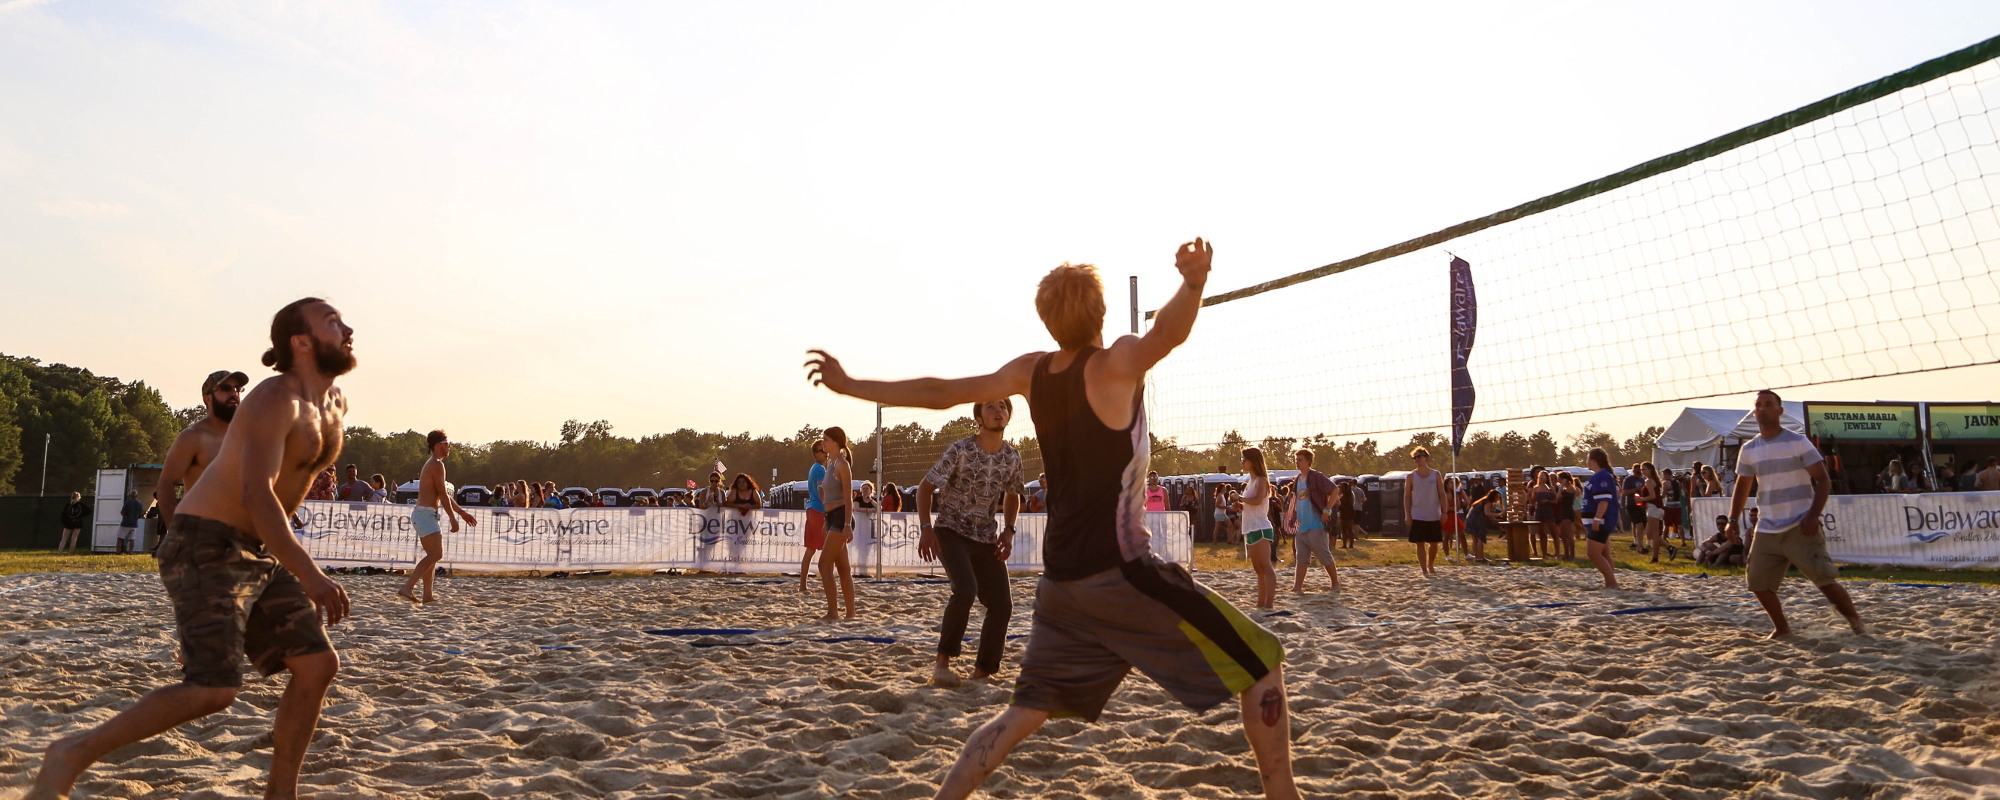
(1400,687)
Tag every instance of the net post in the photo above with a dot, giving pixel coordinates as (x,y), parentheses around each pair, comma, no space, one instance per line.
(1135,305)
(875,522)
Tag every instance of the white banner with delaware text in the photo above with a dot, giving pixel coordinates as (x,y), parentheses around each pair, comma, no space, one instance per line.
(643,539)
(1946,530)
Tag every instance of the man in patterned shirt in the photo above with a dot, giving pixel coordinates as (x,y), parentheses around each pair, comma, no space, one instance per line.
(976,475)
(1792,488)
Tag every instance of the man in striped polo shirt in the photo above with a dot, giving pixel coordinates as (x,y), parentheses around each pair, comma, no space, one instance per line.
(1792,488)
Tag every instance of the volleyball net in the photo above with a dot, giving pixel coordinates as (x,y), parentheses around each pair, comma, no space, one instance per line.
(1852,238)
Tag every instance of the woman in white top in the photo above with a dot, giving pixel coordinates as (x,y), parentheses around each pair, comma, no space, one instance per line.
(1259,536)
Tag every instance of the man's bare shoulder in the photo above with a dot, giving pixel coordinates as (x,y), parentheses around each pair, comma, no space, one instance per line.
(274,396)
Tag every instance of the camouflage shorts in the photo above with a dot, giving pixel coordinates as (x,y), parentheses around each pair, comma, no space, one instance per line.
(232,599)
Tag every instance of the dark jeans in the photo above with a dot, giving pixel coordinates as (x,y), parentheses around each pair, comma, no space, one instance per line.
(975,570)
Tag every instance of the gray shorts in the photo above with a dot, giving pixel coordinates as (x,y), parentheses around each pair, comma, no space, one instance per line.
(1315,543)
(1147,613)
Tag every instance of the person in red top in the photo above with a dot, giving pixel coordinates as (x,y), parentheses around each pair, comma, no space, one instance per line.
(1106,603)
(1156,495)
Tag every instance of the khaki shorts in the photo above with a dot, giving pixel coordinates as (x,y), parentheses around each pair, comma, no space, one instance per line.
(1770,553)
(1150,614)
(232,599)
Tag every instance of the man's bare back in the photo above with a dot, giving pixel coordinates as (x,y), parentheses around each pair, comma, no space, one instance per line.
(312,436)
(190,456)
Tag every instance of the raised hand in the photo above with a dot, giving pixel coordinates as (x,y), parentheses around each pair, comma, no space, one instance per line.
(1193,259)
(825,370)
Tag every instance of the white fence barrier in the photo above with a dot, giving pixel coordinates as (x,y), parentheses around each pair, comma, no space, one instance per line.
(715,540)
(1946,530)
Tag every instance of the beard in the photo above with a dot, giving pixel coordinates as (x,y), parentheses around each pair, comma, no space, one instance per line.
(331,359)
(224,412)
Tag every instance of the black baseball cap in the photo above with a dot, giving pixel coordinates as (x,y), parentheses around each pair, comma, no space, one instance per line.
(217,377)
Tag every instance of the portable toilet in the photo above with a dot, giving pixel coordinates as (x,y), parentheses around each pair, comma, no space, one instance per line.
(633,495)
(1371,502)
(474,495)
(1391,498)
(574,494)
(613,497)
(110,501)
(407,493)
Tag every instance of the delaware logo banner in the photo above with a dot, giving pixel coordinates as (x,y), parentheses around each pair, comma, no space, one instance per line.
(1464,325)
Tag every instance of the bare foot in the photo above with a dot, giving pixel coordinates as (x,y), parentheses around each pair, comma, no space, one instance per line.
(1781,633)
(981,676)
(428,599)
(942,675)
(1859,629)
(406,595)
(60,768)
(850,616)
(830,617)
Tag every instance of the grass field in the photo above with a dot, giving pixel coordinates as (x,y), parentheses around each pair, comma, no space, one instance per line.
(1207,558)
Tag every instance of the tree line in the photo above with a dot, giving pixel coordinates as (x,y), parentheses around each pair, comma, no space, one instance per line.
(96,421)
(83,421)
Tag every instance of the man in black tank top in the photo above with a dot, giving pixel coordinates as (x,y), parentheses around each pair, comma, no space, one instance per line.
(1105,603)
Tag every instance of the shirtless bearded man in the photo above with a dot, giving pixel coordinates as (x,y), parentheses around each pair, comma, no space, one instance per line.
(195,448)
(240,582)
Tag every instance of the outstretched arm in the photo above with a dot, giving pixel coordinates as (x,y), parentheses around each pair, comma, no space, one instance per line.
(1012,379)
(1132,356)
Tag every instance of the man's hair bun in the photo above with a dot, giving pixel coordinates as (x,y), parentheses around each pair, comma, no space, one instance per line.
(270,356)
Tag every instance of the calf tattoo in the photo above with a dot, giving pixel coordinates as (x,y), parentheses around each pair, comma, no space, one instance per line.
(1273,705)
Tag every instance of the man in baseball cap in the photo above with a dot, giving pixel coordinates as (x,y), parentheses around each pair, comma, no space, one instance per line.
(195,448)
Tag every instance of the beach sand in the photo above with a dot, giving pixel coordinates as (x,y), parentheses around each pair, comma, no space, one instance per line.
(1401,687)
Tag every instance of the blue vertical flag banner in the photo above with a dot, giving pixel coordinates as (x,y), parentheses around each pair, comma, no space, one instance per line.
(1464,325)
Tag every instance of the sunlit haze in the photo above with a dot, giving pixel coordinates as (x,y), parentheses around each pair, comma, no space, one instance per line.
(648,212)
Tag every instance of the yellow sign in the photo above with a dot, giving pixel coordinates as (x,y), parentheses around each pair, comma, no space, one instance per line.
(1861,422)
(1965,422)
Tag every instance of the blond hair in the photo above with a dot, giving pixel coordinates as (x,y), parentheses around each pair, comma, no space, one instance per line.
(1071,303)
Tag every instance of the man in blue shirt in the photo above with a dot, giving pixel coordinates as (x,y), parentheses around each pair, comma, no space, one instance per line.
(815,513)
(128,523)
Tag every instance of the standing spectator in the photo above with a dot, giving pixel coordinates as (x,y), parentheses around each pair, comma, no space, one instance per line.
(864,498)
(1989,478)
(1947,479)
(1156,495)
(711,497)
(1259,535)
(892,497)
(1894,480)
(1714,484)
(128,522)
(1423,509)
(744,495)
(378,488)
(74,515)
(1039,501)
(354,490)
(1566,516)
(1545,496)
(1479,522)
(1635,511)
(1792,489)
(152,512)
(322,488)
(1651,500)
(1675,497)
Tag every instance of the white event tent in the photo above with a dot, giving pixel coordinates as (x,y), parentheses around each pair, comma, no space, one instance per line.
(1700,434)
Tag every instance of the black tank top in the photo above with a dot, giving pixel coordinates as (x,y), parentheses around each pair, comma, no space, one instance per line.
(1096,500)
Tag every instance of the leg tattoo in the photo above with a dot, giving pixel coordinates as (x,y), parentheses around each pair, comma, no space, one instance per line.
(1273,705)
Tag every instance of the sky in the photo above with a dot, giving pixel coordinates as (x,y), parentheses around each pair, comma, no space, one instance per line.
(648,212)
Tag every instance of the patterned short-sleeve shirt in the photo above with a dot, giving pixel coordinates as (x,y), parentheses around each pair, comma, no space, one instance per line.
(971,483)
